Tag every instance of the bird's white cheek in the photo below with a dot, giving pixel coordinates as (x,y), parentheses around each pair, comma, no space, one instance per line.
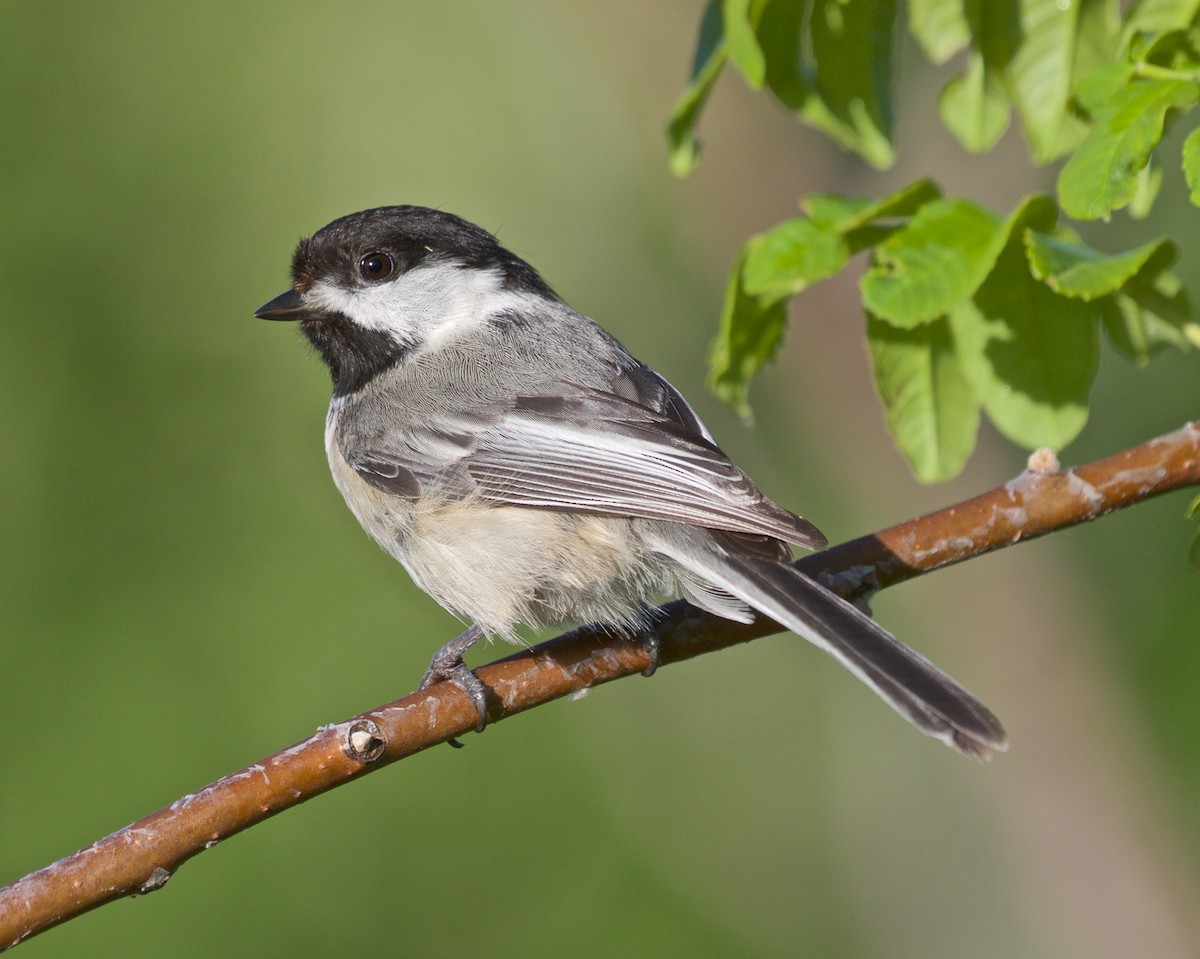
(366,307)
(426,304)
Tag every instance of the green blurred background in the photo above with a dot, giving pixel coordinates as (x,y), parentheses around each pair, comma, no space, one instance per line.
(182,590)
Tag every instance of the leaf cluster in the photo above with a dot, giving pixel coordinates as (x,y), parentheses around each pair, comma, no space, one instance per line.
(967,310)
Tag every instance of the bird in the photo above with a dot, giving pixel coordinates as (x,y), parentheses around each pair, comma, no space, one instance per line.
(527,470)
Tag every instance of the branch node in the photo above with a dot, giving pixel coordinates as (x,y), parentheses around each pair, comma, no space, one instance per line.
(1044,460)
(365,741)
(156,880)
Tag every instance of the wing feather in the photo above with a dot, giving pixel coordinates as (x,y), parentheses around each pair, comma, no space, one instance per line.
(636,449)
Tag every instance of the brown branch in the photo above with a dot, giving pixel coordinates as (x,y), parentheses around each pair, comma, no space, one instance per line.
(142,857)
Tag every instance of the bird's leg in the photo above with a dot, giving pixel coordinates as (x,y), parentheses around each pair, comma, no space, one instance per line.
(447,664)
(650,638)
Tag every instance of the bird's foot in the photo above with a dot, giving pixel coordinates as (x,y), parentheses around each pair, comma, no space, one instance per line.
(447,666)
(653,648)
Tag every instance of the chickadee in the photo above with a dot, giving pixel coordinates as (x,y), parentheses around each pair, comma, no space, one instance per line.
(525,469)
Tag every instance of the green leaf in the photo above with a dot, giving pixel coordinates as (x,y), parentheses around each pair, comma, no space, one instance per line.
(1101,85)
(850,213)
(1057,71)
(852,48)
(939,26)
(936,262)
(1030,354)
(1074,269)
(995,32)
(1041,72)
(711,54)
(1090,84)
(1138,333)
(1156,312)
(831,66)
(1191,164)
(923,270)
(1126,329)
(1101,176)
(931,410)
(1174,49)
(741,42)
(750,333)
(1167,297)
(1149,181)
(781,27)
(974,106)
(1099,22)
(1155,17)
(792,256)
(840,212)
(783,261)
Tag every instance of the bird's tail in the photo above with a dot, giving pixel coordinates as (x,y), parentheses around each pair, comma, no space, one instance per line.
(919,691)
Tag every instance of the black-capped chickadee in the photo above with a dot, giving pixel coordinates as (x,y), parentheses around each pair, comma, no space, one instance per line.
(525,469)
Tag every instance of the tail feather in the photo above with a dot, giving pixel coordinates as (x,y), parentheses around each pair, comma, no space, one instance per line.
(924,695)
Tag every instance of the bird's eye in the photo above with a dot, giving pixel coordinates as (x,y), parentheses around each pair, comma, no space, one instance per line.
(376,266)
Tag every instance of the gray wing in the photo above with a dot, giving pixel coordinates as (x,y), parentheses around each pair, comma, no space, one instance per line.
(636,449)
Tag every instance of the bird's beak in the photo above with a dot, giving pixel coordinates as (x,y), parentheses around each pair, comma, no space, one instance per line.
(287,306)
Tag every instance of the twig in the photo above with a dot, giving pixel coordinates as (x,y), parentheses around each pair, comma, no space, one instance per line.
(142,857)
